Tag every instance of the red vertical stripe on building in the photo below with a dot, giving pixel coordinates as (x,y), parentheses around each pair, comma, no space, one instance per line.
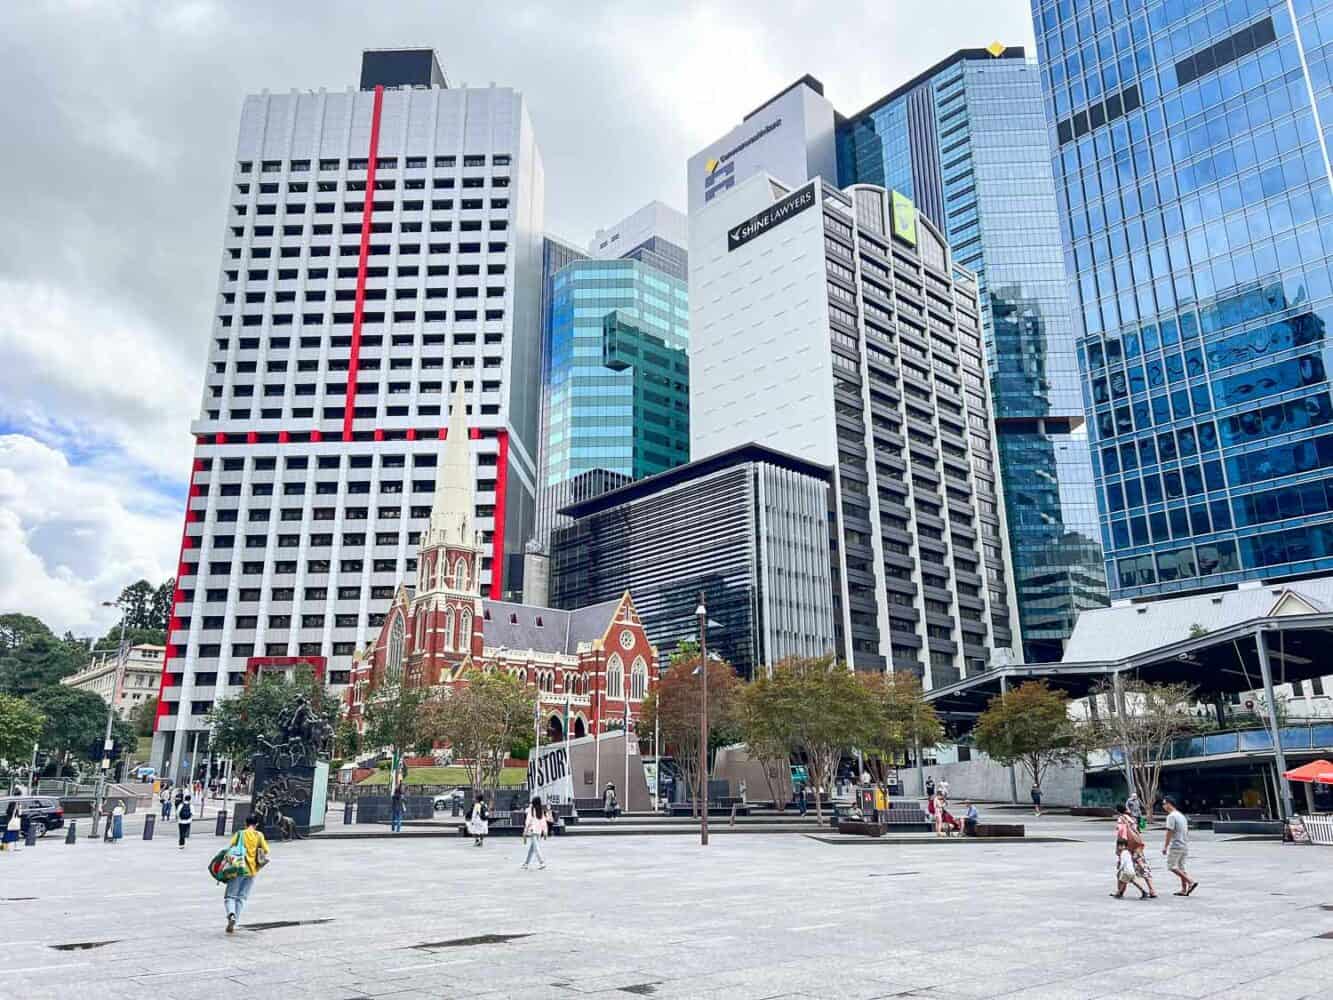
(367,215)
(172,621)
(498,535)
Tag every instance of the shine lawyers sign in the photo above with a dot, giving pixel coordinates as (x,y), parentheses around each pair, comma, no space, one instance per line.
(777,213)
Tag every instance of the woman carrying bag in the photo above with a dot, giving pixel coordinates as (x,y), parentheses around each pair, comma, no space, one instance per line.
(251,841)
(534,829)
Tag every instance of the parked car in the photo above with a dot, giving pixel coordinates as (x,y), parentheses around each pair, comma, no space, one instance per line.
(43,810)
(443,802)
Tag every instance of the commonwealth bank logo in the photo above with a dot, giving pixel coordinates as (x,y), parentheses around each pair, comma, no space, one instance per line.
(711,165)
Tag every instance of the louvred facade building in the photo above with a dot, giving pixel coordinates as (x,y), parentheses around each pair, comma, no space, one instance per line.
(593,666)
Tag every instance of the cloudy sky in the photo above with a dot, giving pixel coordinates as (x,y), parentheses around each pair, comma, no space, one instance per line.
(120,126)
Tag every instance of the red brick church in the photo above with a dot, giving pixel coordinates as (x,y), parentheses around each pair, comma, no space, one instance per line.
(594,663)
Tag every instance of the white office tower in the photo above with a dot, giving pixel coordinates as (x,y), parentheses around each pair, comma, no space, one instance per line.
(382,247)
(832,325)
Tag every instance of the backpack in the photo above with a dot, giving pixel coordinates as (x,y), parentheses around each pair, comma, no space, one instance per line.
(186,813)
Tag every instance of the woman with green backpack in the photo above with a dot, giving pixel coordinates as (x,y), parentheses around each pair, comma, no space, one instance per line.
(249,853)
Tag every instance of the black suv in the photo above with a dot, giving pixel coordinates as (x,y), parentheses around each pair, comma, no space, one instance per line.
(44,810)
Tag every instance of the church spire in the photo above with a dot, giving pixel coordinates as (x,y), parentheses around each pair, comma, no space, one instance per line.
(454,508)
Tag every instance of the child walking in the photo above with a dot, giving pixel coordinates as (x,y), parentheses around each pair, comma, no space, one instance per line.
(1125,873)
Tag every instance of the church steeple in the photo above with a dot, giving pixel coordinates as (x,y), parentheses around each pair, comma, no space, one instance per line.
(454,508)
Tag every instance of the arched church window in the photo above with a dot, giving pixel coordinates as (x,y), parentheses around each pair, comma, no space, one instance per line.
(449,629)
(638,679)
(615,677)
(465,630)
(393,663)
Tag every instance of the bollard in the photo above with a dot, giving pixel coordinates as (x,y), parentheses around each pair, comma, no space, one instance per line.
(70,835)
(454,806)
(149,822)
(30,835)
(220,828)
(347,813)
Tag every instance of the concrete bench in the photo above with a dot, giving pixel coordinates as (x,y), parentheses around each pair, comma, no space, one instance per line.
(1000,830)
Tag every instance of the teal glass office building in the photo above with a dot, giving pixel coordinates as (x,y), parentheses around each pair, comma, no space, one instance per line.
(1190,151)
(967,141)
(615,393)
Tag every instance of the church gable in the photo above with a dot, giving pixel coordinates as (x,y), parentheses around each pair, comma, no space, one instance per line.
(1291,602)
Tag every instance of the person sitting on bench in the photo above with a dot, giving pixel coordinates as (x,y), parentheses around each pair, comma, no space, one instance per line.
(970,820)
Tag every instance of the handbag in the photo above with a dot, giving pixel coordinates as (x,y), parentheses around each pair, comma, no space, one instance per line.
(228,863)
(261,859)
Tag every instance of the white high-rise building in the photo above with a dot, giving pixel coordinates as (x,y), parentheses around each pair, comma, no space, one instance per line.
(383,247)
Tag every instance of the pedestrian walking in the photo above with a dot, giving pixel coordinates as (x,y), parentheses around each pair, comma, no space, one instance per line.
(610,807)
(13,827)
(479,823)
(179,798)
(396,810)
(256,857)
(164,799)
(930,787)
(800,798)
(118,822)
(534,829)
(184,817)
(1036,799)
(1177,846)
(944,790)
(1124,872)
(1127,829)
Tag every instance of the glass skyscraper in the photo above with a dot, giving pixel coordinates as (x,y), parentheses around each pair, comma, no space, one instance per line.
(615,393)
(1190,157)
(966,140)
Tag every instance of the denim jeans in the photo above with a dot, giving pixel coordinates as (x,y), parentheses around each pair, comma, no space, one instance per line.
(238,891)
(166,810)
(396,822)
(534,848)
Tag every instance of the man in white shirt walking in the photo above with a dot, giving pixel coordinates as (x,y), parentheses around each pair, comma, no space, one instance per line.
(1177,847)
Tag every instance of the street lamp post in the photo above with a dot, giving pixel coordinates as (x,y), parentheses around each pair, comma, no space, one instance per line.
(702,612)
(110,717)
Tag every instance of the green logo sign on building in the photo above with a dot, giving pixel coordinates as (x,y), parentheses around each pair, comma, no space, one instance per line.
(904,218)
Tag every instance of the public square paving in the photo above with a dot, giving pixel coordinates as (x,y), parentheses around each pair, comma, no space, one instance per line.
(750,916)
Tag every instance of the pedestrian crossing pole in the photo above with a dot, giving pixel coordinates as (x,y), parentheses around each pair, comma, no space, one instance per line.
(625,790)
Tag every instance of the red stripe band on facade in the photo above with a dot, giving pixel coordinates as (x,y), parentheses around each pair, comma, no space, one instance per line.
(498,535)
(172,621)
(367,217)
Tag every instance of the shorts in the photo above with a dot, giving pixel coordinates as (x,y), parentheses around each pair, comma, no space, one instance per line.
(1124,877)
(1175,857)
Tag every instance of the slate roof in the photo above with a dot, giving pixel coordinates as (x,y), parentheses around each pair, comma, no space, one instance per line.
(559,632)
(1115,632)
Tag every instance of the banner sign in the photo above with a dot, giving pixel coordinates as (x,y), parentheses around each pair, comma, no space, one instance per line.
(776,214)
(548,774)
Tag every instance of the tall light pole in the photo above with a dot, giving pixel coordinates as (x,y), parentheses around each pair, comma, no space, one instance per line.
(110,717)
(702,613)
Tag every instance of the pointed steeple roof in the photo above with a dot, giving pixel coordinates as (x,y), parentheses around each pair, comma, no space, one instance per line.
(454,507)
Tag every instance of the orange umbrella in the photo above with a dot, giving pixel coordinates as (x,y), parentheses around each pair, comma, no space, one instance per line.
(1320,771)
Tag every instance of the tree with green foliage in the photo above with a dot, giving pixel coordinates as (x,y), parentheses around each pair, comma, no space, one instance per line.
(673,709)
(144,716)
(827,710)
(32,657)
(76,723)
(903,720)
(480,719)
(241,724)
(159,609)
(768,737)
(21,725)
(393,720)
(1029,725)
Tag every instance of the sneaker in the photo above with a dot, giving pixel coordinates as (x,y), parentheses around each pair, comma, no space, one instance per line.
(524,867)
(231,923)
(541,868)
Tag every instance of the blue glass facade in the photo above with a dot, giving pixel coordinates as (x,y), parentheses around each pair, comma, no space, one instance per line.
(1191,165)
(615,395)
(967,141)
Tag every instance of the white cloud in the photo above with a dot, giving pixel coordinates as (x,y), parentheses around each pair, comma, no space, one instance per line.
(69,541)
(92,374)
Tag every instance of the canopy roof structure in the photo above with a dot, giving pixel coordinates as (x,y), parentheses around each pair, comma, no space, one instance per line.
(1211,641)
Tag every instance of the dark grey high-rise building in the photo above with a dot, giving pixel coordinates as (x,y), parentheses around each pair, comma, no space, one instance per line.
(747,528)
